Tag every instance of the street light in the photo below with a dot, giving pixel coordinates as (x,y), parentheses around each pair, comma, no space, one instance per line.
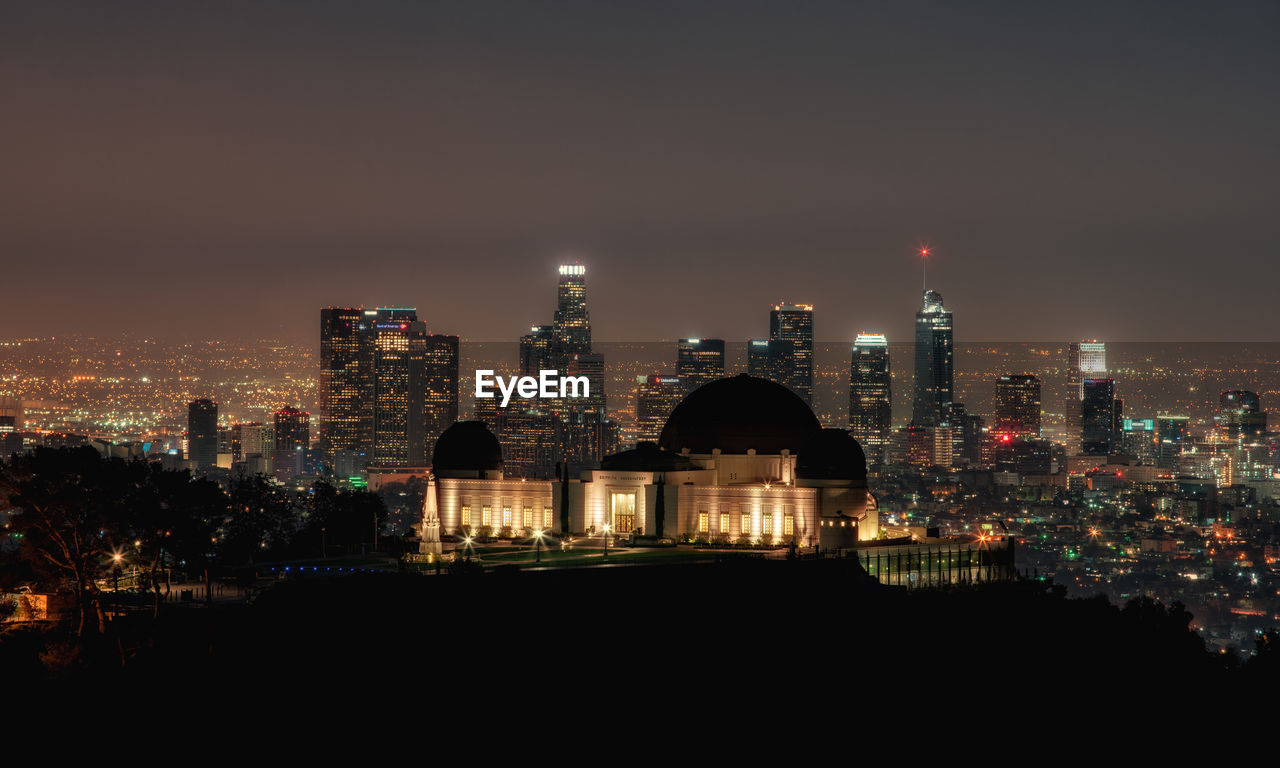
(607,528)
(537,544)
(467,540)
(116,559)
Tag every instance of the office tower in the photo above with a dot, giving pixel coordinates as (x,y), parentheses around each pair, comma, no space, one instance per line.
(1099,410)
(794,323)
(656,397)
(758,359)
(934,363)
(1018,406)
(397,361)
(1138,439)
(700,361)
(1172,434)
(439,384)
(870,395)
(968,437)
(346,415)
(536,350)
(769,358)
(292,439)
(571,326)
(249,439)
(1085,360)
(202,434)
(1240,416)
(591,365)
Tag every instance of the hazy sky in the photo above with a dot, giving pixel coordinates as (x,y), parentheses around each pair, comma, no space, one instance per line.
(203,169)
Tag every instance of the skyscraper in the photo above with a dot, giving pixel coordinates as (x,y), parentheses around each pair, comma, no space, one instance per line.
(439,383)
(591,365)
(1240,415)
(700,361)
(1085,360)
(793,323)
(656,397)
(346,414)
(398,422)
(934,364)
(249,439)
(1018,406)
(1099,418)
(870,394)
(536,350)
(292,438)
(571,326)
(770,358)
(202,433)
(1172,434)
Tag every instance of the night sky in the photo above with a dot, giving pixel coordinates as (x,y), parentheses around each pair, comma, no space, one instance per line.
(225,169)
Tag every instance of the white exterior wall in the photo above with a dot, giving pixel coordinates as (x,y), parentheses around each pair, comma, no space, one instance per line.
(453,494)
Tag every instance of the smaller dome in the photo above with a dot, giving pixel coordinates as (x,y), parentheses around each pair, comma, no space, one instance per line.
(467,446)
(832,454)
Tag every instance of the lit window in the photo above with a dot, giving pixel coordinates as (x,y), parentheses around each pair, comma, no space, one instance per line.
(528,517)
(767,521)
(506,516)
(466,514)
(486,515)
(744,524)
(546,517)
(703,523)
(724,522)
(788,525)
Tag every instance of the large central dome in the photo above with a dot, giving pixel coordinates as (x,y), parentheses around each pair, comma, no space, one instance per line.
(738,414)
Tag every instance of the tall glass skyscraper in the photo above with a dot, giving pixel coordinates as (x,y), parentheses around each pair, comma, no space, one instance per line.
(202,433)
(1100,418)
(1085,360)
(935,377)
(793,323)
(870,394)
(700,361)
(571,326)
(346,404)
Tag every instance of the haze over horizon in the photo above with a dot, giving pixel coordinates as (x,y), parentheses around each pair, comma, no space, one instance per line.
(200,172)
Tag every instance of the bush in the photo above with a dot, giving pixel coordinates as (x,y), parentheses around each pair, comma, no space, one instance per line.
(766,539)
(506,533)
(486,532)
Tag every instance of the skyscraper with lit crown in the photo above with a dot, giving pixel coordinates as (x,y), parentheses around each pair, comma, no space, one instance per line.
(934,356)
(700,361)
(571,325)
(870,394)
(793,323)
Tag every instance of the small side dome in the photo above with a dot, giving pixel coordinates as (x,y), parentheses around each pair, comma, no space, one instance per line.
(833,454)
(467,446)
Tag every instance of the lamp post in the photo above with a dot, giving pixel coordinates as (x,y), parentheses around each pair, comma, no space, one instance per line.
(467,540)
(606,529)
(116,559)
(537,544)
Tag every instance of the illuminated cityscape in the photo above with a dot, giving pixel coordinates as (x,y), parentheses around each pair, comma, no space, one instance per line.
(542,423)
